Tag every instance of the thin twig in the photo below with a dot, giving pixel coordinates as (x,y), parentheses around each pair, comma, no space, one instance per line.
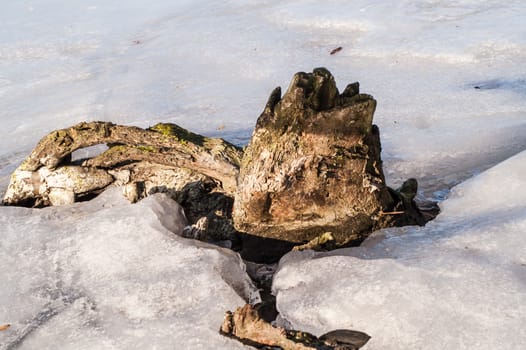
(382,213)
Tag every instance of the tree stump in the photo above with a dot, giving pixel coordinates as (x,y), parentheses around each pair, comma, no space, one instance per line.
(313,166)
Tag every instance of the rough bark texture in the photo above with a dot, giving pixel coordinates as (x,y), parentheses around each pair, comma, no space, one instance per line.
(198,172)
(246,325)
(166,144)
(313,166)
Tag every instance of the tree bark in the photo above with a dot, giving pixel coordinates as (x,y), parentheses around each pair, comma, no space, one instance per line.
(197,171)
(313,165)
(166,144)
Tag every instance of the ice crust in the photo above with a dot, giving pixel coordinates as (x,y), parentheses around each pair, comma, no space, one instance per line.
(210,67)
(450,83)
(457,283)
(111,275)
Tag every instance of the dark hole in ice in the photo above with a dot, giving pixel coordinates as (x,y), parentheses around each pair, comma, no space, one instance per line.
(263,250)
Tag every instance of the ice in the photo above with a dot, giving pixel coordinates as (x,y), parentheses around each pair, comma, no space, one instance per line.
(210,66)
(450,83)
(107,274)
(457,283)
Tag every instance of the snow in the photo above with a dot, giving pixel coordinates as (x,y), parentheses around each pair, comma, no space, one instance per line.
(209,66)
(450,83)
(108,274)
(457,283)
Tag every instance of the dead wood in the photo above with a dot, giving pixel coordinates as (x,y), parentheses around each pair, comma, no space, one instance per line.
(313,165)
(166,144)
(247,326)
(197,171)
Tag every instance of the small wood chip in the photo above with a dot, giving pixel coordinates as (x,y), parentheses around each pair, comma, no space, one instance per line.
(4,327)
(336,50)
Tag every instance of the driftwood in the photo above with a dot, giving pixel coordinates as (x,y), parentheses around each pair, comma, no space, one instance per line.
(197,171)
(163,145)
(247,326)
(166,144)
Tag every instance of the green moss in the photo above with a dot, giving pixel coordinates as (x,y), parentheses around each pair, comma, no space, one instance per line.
(117,148)
(184,136)
(147,149)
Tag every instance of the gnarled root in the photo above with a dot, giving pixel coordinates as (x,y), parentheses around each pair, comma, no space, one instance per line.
(49,177)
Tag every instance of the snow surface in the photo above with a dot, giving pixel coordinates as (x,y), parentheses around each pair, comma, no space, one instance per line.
(210,66)
(450,82)
(457,283)
(88,276)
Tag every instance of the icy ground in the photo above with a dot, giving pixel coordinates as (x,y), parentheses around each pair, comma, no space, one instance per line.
(450,82)
(106,274)
(210,66)
(457,283)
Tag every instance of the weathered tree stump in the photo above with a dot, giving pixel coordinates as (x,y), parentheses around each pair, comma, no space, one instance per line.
(313,166)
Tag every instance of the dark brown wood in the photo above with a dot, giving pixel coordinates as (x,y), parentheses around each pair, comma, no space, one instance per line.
(313,165)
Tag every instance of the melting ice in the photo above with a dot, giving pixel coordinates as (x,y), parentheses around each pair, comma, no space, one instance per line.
(458,283)
(107,274)
(449,80)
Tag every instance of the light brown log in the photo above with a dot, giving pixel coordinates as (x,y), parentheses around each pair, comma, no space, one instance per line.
(47,176)
(169,143)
